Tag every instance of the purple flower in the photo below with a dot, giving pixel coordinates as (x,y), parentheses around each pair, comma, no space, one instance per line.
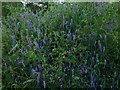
(33,72)
(36,69)
(63,76)
(110,27)
(97,57)
(105,37)
(51,80)
(21,62)
(51,40)
(74,37)
(44,84)
(100,46)
(40,67)
(29,42)
(30,67)
(91,18)
(67,29)
(80,55)
(69,35)
(38,32)
(87,53)
(66,22)
(94,52)
(72,72)
(100,85)
(27,31)
(92,59)
(78,36)
(99,5)
(71,21)
(38,78)
(103,49)
(44,42)
(104,62)
(28,24)
(13,38)
(45,37)
(85,70)
(95,44)
(91,80)
(37,45)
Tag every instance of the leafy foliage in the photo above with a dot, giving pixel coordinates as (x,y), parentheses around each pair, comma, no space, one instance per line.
(72,45)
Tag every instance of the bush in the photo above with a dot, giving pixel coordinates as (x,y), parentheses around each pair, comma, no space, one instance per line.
(73,45)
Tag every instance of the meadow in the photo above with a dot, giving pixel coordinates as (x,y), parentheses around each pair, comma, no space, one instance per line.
(69,45)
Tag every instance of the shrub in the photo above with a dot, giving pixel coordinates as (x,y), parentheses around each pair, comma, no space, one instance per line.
(73,45)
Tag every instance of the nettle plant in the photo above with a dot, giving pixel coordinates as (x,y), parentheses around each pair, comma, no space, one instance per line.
(73,45)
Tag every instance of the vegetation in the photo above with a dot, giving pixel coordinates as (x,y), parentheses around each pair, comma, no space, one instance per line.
(69,45)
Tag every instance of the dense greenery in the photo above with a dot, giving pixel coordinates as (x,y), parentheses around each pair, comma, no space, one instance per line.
(71,45)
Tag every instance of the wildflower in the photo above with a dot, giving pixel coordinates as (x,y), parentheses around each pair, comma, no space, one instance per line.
(72,72)
(28,24)
(67,29)
(100,85)
(91,18)
(30,66)
(95,44)
(63,76)
(97,57)
(36,69)
(100,46)
(29,42)
(103,49)
(99,5)
(44,42)
(110,27)
(105,37)
(38,78)
(44,82)
(66,22)
(13,38)
(74,37)
(38,32)
(37,45)
(39,67)
(78,36)
(27,31)
(92,59)
(69,35)
(85,70)
(45,37)
(33,72)
(21,62)
(51,40)
(104,62)
(51,80)
(87,53)
(94,52)
(71,21)
(91,80)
